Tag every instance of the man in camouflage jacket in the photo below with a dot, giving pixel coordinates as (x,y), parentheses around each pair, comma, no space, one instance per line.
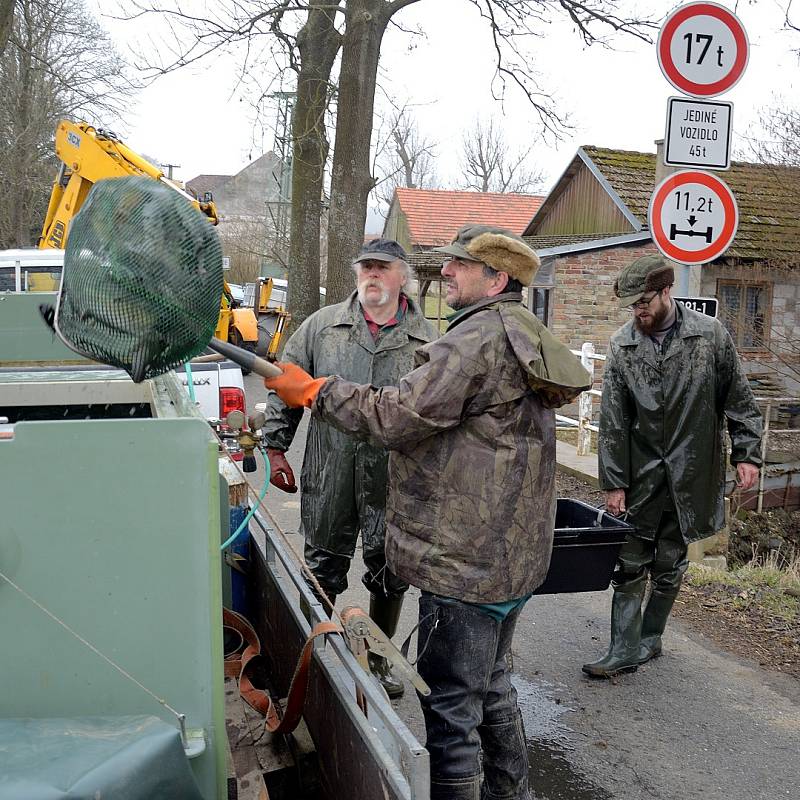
(370,337)
(471,503)
(672,381)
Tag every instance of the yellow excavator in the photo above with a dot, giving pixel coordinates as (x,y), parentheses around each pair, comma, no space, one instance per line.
(90,154)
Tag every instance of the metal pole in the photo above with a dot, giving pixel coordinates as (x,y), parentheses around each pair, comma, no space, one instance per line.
(585,403)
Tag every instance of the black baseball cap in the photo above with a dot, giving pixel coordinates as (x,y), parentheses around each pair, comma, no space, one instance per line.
(381,250)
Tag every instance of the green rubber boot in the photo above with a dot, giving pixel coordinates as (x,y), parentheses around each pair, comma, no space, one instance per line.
(654,620)
(386,613)
(626,627)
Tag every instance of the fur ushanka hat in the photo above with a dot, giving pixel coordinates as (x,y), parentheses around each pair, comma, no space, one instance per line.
(499,248)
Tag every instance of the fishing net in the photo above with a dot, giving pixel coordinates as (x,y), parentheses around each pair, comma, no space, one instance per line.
(142,278)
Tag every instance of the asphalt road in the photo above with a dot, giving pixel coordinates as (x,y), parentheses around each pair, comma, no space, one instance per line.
(695,723)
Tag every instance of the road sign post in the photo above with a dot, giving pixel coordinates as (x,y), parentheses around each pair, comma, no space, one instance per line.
(698,133)
(702,49)
(693,217)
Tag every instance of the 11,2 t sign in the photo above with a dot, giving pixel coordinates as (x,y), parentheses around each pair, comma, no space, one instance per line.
(702,49)
(693,217)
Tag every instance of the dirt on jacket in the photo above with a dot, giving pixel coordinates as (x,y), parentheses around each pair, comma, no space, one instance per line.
(344,479)
(663,418)
(471,502)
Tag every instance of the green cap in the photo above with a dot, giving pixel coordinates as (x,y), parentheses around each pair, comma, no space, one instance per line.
(650,273)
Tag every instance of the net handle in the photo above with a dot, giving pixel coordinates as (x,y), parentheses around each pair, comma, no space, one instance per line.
(245,359)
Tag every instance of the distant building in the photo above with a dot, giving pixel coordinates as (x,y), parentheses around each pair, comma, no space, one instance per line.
(254,223)
(594,222)
(246,194)
(423,218)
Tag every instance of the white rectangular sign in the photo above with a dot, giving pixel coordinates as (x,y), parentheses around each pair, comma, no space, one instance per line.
(698,133)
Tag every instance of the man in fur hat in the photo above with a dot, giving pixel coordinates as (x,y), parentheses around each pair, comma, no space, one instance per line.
(672,381)
(471,501)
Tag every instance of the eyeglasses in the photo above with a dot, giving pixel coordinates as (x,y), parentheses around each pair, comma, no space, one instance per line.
(644,302)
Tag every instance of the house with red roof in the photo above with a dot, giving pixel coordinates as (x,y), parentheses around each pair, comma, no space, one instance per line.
(423,218)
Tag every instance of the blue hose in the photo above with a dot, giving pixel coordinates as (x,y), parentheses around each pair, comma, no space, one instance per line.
(190,381)
(232,538)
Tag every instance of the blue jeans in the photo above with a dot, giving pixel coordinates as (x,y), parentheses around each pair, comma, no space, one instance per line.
(471,715)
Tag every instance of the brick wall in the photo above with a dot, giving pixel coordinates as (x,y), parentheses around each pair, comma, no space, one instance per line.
(584,308)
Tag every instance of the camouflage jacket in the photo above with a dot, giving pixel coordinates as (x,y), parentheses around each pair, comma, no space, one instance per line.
(344,479)
(471,501)
(661,423)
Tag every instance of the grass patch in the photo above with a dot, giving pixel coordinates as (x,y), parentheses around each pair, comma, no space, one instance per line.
(770,584)
(433,310)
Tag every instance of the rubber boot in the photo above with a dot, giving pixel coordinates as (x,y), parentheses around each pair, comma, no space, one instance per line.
(467,788)
(626,628)
(305,609)
(654,620)
(386,613)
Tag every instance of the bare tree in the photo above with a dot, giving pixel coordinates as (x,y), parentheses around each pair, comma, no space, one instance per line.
(777,140)
(256,27)
(6,18)
(490,165)
(299,37)
(404,157)
(351,180)
(58,63)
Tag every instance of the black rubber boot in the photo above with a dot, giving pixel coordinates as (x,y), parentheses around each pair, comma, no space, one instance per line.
(654,620)
(386,613)
(626,628)
(306,610)
(467,788)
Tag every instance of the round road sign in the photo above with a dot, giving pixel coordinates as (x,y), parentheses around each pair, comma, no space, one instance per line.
(693,217)
(702,49)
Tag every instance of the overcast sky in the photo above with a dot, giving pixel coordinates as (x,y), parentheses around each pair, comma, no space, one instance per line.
(201,121)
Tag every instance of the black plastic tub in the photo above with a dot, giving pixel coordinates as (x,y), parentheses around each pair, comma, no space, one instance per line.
(585,548)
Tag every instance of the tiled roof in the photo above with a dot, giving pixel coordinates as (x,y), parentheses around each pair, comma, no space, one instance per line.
(768,197)
(206,183)
(434,215)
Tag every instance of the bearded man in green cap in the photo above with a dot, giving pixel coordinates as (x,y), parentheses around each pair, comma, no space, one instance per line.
(672,381)
(471,504)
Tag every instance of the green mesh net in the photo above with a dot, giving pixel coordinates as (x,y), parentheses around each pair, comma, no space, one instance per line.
(142,278)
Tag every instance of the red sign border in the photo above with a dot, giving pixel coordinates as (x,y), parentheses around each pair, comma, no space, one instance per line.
(668,67)
(711,182)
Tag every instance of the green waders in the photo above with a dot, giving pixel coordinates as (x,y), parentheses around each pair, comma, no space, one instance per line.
(636,637)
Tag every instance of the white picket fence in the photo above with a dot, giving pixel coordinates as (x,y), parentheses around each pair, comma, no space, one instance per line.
(585,424)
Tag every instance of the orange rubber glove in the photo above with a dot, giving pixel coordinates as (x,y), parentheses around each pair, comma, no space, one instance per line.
(295,387)
(280,473)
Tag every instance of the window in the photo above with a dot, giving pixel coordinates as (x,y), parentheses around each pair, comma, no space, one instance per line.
(539,303)
(539,295)
(744,310)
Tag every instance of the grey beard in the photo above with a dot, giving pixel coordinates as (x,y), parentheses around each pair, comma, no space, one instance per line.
(362,297)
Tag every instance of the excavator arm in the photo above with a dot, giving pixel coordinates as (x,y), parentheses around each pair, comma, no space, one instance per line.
(91,154)
(88,155)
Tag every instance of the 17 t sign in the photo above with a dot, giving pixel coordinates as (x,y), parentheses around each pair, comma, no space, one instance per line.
(693,217)
(702,49)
